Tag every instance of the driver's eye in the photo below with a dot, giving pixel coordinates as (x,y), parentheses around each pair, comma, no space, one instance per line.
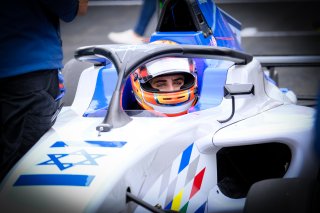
(160,85)
(178,82)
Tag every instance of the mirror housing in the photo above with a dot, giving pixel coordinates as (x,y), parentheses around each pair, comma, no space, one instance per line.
(238,90)
(232,90)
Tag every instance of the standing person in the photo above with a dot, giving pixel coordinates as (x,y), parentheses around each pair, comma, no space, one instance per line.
(30,60)
(135,36)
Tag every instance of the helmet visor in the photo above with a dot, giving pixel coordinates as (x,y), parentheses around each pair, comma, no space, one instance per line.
(168,83)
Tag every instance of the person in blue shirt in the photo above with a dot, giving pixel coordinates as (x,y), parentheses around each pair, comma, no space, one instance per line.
(30,62)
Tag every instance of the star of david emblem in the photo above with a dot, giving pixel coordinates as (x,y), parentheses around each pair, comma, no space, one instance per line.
(65,161)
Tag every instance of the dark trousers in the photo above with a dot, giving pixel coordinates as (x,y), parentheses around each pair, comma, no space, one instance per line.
(27,106)
(147,10)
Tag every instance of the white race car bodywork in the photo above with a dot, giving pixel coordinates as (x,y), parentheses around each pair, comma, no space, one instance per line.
(166,161)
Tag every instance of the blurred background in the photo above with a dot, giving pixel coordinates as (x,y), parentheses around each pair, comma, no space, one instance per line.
(269,27)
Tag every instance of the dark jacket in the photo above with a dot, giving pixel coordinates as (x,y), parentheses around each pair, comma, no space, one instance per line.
(30,34)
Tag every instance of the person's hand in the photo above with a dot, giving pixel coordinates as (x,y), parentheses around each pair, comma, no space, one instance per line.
(83,7)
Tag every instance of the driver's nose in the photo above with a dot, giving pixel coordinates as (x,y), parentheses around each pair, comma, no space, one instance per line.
(170,87)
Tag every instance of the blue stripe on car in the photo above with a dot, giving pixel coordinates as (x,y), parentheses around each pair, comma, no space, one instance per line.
(54,180)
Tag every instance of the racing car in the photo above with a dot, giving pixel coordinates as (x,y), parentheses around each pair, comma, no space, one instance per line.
(119,149)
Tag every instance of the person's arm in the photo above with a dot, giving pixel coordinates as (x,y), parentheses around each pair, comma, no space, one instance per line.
(66,10)
(83,7)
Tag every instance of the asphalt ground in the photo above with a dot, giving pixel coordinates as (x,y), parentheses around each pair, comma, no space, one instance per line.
(269,28)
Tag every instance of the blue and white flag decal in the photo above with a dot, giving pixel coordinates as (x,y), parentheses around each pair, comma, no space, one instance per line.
(85,159)
(89,143)
(111,144)
(54,180)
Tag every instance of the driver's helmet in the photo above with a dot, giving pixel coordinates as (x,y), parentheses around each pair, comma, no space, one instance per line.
(168,103)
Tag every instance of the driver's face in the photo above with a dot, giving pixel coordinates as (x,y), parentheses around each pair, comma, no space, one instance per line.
(168,83)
